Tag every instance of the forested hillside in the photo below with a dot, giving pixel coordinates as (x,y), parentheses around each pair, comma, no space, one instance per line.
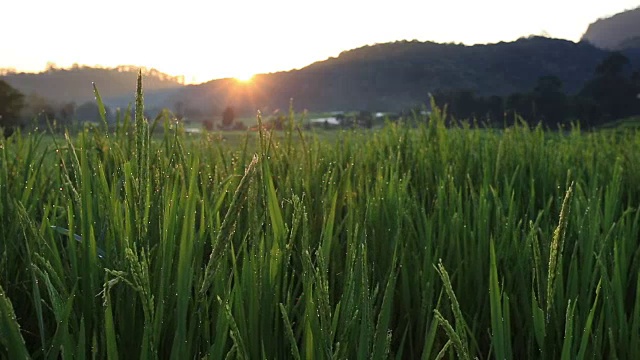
(394,76)
(60,85)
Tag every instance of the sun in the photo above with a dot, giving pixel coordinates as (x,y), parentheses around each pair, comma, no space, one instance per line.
(244,77)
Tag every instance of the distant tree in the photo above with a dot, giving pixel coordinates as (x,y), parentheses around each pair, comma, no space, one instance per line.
(239,125)
(550,101)
(518,105)
(635,83)
(192,113)
(7,71)
(11,104)
(67,112)
(613,65)
(587,111)
(228,115)
(51,66)
(89,111)
(612,90)
(459,103)
(208,124)
(495,109)
(365,119)
(38,109)
(465,105)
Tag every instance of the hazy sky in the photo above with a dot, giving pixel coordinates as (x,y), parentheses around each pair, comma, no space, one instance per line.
(210,39)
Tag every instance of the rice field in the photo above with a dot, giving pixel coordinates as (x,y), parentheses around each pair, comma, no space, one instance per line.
(426,242)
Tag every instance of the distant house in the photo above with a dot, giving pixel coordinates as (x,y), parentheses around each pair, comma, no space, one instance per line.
(328,121)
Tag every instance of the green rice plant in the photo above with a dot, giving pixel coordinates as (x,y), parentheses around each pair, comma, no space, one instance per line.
(227,228)
(500,321)
(555,254)
(457,335)
(101,109)
(123,242)
(11,338)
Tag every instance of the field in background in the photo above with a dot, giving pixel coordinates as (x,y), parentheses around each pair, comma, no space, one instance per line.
(624,124)
(427,242)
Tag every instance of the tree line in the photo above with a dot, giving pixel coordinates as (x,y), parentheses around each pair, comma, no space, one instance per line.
(613,93)
(18,110)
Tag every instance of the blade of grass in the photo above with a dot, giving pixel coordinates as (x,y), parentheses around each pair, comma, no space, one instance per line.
(10,336)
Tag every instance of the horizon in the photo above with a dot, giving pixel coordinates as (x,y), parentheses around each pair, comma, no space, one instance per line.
(241,77)
(264,40)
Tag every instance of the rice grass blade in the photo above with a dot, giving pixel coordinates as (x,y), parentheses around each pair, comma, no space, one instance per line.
(443,352)
(588,327)
(10,335)
(101,109)
(460,342)
(381,341)
(228,226)
(499,326)
(101,253)
(429,341)
(236,336)
(29,231)
(81,345)
(454,338)
(295,352)
(109,327)
(567,342)
(185,270)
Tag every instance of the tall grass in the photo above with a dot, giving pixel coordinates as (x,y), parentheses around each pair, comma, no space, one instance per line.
(427,242)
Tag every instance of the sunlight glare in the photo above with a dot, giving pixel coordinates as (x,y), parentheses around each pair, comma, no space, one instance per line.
(244,77)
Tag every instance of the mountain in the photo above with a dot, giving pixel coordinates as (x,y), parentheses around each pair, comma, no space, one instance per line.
(394,76)
(116,85)
(618,32)
(382,77)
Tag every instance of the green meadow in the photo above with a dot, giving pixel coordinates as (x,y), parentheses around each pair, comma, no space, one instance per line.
(407,242)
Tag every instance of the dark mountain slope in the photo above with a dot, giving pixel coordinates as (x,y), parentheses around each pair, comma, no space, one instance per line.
(116,85)
(385,77)
(621,31)
(396,75)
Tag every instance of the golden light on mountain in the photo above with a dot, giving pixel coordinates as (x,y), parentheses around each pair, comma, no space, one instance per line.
(245,77)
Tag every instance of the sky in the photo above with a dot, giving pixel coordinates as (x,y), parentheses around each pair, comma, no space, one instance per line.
(205,40)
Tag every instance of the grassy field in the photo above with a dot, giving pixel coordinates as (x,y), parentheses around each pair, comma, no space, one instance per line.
(426,242)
